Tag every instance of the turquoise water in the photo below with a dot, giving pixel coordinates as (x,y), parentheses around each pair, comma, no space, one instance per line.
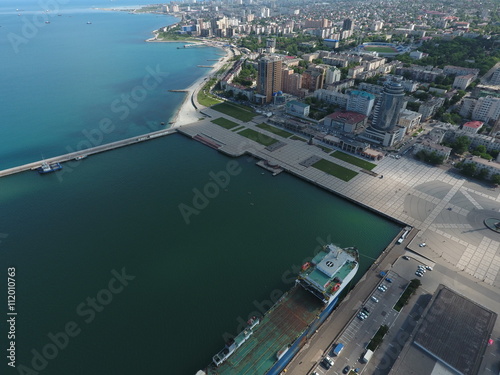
(66,78)
(67,234)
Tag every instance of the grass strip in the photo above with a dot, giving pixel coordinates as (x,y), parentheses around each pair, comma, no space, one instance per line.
(258,137)
(272,129)
(225,123)
(405,297)
(353,160)
(237,111)
(335,170)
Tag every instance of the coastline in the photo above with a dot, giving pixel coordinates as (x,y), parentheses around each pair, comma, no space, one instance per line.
(187,113)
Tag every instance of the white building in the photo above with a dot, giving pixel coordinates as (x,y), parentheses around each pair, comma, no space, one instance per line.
(332,75)
(360,102)
(486,109)
(428,146)
(462,82)
(332,97)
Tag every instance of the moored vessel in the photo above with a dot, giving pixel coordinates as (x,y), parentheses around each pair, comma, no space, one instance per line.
(49,167)
(268,343)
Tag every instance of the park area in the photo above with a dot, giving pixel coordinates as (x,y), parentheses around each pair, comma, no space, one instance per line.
(335,170)
(353,160)
(237,111)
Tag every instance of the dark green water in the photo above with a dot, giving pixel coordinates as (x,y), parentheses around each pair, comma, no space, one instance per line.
(193,282)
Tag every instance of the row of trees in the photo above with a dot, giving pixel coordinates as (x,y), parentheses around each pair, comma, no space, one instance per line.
(467,52)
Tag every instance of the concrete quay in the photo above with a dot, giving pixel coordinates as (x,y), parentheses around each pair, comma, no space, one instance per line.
(447,209)
(88,151)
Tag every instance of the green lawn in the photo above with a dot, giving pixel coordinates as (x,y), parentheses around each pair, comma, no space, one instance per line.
(335,170)
(353,160)
(274,130)
(326,149)
(204,97)
(237,111)
(297,138)
(225,123)
(258,137)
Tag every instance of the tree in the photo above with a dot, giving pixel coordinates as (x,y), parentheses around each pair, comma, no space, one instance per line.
(483,174)
(496,179)
(469,169)
(461,144)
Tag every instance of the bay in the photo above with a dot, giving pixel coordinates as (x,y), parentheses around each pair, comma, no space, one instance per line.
(70,234)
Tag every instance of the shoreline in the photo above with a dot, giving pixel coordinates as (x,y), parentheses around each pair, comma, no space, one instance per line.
(187,113)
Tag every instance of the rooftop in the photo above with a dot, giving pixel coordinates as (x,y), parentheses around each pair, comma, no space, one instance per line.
(455,331)
(347,117)
(473,124)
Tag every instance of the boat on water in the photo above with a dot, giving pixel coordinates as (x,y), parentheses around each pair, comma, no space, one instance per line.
(268,343)
(49,167)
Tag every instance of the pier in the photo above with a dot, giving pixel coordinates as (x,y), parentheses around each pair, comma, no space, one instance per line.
(89,151)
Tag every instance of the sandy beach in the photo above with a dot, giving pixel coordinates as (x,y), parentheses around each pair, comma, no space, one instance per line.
(187,113)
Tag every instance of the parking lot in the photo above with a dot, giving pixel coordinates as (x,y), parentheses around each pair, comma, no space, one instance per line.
(359,331)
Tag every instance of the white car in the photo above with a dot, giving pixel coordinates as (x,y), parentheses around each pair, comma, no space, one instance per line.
(374,299)
(423,244)
(428,268)
(419,274)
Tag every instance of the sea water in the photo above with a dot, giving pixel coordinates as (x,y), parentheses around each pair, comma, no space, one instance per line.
(110,276)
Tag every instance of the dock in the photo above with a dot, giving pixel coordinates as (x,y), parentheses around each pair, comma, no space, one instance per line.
(87,152)
(205,66)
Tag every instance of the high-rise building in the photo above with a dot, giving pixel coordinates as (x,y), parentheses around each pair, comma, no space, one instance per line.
(333,74)
(495,77)
(269,76)
(347,25)
(360,102)
(389,106)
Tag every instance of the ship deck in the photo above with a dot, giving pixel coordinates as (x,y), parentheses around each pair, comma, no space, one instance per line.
(278,328)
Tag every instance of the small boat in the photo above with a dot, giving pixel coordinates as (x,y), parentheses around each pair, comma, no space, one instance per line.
(48,168)
(89,23)
(47,21)
(80,157)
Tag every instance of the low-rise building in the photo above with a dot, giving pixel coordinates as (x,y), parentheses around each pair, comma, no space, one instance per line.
(296,108)
(345,121)
(472,126)
(431,147)
(409,120)
(462,82)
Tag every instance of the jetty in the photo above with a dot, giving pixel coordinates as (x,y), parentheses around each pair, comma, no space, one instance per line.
(78,155)
(205,66)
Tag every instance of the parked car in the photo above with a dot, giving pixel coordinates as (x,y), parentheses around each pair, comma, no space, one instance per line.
(423,244)
(419,274)
(388,280)
(374,299)
(327,362)
(405,257)
(346,369)
(428,268)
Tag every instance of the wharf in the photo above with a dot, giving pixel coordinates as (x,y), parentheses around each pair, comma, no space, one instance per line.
(447,208)
(89,151)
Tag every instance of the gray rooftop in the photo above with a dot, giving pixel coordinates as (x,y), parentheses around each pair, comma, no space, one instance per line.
(455,331)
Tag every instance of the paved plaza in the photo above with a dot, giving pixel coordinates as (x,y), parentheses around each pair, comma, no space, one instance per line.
(448,209)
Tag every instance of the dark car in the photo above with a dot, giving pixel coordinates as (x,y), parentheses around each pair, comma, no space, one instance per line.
(346,369)
(388,280)
(366,310)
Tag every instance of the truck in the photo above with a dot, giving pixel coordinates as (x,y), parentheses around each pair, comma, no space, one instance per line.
(337,349)
(402,238)
(367,356)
